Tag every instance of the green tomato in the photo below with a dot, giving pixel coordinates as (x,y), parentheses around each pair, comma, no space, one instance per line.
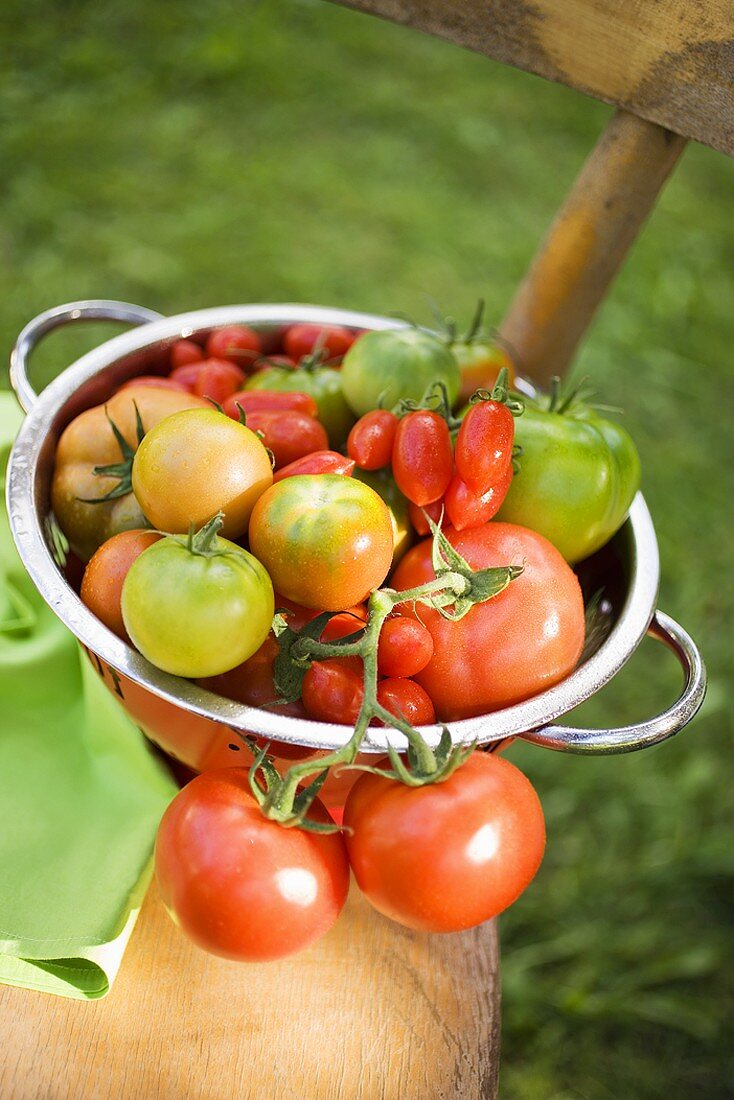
(384,485)
(385,367)
(578,476)
(323,384)
(197,612)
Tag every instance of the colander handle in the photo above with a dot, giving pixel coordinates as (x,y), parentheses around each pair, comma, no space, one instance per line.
(643,734)
(93,310)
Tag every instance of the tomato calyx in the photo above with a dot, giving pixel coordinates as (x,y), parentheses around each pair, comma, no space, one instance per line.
(501,394)
(123,470)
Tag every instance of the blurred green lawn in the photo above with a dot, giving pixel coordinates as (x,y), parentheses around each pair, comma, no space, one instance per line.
(197,154)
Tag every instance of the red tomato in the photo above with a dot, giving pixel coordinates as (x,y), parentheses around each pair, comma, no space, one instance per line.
(186,374)
(318,462)
(466,508)
(237,343)
(406,699)
(253,400)
(370,441)
(484,445)
(239,885)
(422,457)
(344,624)
(300,340)
(217,379)
(156,381)
(517,644)
(333,690)
(183,352)
(105,575)
(288,434)
(449,855)
(419,521)
(405,647)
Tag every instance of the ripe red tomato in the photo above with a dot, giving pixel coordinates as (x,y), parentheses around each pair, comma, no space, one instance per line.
(466,508)
(289,434)
(186,374)
(484,445)
(239,885)
(517,644)
(237,343)
(422,457)
(333,690)
(406,699)
(318,462)
(183,352)
(105,575)
(255,400)
(300,340)
(346,623)
(417,518)
(447,856)
(405,647)
(217,379)
(370,441)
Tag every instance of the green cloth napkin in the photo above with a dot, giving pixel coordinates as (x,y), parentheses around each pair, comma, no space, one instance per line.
(80,795)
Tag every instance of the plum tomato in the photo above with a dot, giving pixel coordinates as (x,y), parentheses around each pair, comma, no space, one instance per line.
(422,457)
(195,464)
(254,401)
(383,367)
(318,462)
(405,647)
(326,540)
(241,886)
(301,340)
(197,611)
(450,855)
(371,439)
(406,699)
(484,445)
(517,644)
(105,574)
(183,352)
(325,387)
(289,434)
(333,690)
(418,519)
(239,344)
(467,508)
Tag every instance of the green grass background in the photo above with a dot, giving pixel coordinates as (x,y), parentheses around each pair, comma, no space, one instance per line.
(197,154)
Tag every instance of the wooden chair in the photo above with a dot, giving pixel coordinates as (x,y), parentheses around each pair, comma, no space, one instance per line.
(405,1016)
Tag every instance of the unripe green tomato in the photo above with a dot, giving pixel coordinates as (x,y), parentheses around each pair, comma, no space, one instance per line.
(197,614)
(323,384)
(385,367)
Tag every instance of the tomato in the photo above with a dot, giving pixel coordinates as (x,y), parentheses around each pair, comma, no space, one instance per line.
(237,343)
(274,361)
(578,477)
(326,540)
(466,508)
(197,612)
(450,855)
(405,647)
(422,457)
(371,439)
(480,362)
(347,623)
(484,445)
(183,352)
(381,368)
(384,485)
(323,384)
(289,434)
(217,379)
(195,464)
(419,521)
(239,885)
(522,641)
(105,574)
(301,340)
(268,399)
(333,690)
(89,442)
(406,699)
(155,380)
(318,462)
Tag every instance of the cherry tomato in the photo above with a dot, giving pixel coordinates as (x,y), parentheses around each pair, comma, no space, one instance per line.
(419,521)
(217,379)
(255,400)
(370,441)
(196,613)
(333,690)
(422,457)
(519,643)
(450,855)
(288,434)
(183,352)
(405,647)
(239,885)
(300,340)
(237,343)
(484,445)
(105,574)
(406,699)
(468,508)
(326,540)
(195,464)
(154,380)
(318,462)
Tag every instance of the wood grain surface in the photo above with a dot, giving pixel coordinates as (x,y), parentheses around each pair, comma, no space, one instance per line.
(668,61)
(587,242)
(372,1012)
